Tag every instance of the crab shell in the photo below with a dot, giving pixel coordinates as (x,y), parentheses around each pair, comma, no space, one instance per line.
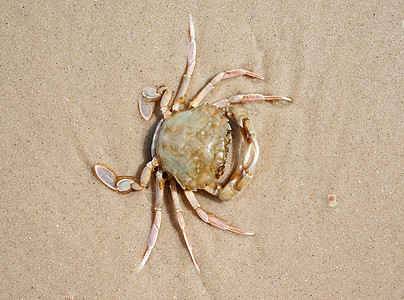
(192,145)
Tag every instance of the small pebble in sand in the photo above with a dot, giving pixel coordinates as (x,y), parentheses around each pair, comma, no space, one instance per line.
(332,200)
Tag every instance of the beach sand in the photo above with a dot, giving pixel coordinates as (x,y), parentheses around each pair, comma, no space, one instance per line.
(71,78)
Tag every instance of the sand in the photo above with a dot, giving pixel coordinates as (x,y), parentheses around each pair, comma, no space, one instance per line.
(71,78)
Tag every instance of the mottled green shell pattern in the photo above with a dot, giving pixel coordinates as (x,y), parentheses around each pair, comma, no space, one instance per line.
(192,146)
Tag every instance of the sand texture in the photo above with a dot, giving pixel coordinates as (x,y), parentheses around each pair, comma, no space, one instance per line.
(71,78)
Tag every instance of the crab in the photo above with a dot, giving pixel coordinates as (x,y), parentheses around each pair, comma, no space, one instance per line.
(190,146)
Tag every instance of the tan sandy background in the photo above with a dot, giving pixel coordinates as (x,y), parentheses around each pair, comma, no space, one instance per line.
(71,77)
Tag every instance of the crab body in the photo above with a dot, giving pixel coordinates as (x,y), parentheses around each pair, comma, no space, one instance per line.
(192,146)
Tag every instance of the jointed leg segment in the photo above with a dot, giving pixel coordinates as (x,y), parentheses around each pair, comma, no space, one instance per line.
(154,231)
(219,77)
(124,184)
(180,219)
(244,172)
(165,103)
(249,98)
(209,217)
(180,98)
(150,96)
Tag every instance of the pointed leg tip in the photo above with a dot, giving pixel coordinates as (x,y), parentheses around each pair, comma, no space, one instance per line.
(254,75)
(238,231)
(142,264)
(277,98)
(286,99)
(195,264)
(139,268)
(191,28)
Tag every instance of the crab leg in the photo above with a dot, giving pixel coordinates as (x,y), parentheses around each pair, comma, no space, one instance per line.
(219,77)
(211,218)
(180,98)
(147,103)
(249,98)
(180,219)
(243,174)
(165,103)
(154,231)
(146,173)
(124,184)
